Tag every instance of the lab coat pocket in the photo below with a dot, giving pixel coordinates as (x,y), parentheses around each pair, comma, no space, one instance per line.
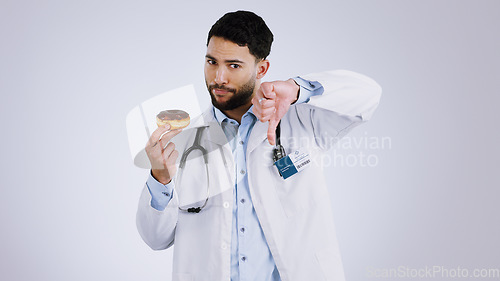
(182,277)
(289,194)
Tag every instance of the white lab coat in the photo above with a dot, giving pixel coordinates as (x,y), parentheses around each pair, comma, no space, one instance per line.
(295,214)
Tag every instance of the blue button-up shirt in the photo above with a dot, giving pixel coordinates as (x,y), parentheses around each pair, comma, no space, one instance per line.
(251,259)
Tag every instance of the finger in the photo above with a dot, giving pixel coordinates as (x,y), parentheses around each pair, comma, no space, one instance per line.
(281,109)
(257,114)
(165,154)
(271,131)
(265,103)
(258,99)
(267,114)
(267,90)
(263,109)
(258,94)
(154,147)
(256,105)
(170,160)
(169,163)
(167,136)
(153,140)
(168,148)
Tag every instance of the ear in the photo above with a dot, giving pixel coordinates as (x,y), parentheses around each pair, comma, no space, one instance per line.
(262,67)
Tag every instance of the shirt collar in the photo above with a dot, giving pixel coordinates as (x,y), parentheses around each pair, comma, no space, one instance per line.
(220,116)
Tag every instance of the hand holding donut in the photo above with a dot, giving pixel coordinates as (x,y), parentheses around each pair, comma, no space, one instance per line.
(161,152)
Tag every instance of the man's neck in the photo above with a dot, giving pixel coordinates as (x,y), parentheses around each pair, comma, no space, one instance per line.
(238,112)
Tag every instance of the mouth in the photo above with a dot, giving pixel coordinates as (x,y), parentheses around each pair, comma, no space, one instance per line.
(220,92)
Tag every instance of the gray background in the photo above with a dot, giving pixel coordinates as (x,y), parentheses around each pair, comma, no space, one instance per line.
(71,70)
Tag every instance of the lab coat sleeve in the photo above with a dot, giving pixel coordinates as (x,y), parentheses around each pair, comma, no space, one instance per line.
(157,228)
(346,100)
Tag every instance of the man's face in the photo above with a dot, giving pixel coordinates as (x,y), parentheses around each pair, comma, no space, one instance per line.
(230,74)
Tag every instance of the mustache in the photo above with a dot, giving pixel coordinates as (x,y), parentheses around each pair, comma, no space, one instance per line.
(221,87)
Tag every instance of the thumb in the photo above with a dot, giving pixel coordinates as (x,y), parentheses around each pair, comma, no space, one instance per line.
(271,131)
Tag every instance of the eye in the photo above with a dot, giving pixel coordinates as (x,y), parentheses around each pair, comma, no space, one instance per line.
(211,62)
(233,65)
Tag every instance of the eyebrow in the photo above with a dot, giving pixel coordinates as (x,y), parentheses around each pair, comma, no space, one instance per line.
(226,61)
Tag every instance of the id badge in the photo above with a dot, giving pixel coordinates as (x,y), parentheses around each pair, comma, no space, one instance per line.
(293,163)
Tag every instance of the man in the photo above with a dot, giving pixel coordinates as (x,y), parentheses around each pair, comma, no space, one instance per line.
(253,224)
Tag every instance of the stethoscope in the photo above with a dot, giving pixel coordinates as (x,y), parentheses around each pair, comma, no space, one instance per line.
(278,153)
(196,146)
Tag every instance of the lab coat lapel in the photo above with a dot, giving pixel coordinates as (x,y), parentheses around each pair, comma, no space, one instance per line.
(216,138)
(216,134)
(257,136)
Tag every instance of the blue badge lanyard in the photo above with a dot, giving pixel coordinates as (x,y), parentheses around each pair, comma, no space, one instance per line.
(279,151)
(289,165)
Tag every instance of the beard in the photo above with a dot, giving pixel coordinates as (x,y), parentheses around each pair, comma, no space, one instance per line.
(241,96)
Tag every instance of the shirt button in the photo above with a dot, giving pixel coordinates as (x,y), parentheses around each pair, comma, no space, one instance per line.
(242,200)
(242,230)
(166,194)
(224,246)
(243,258)
(241,142)
(226,205)
(242,172)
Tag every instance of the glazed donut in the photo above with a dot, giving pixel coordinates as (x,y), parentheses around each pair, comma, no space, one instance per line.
(177,119)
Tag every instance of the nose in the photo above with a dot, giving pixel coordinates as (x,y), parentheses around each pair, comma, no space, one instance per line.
(221,76)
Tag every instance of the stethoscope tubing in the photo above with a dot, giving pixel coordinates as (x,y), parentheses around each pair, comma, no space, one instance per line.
(196,146)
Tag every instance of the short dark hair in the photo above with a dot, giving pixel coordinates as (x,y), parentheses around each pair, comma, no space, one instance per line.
(245,29)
